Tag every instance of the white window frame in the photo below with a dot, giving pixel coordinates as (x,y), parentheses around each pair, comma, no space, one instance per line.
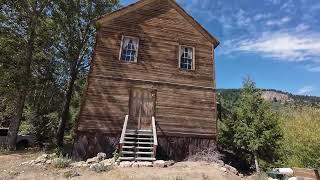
(137,52)
(193,58)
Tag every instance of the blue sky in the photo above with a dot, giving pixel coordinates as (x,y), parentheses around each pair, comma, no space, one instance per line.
(275,42)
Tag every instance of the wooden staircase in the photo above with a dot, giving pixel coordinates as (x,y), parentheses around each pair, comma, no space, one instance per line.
(138,144)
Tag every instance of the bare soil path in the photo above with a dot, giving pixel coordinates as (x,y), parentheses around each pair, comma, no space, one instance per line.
(12,167)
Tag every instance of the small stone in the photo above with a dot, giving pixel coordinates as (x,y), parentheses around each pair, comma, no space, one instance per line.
(24,163)
(125,164)
(101,156)
(96,166)
(159,163)
(168,163)
(223,169)
(48,161)
(53,155)
(92,160)
(142,164)
(220,163)
(108,162)
(78,164)
(231,169)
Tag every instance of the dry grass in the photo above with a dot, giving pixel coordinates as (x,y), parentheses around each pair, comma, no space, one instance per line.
(209,155)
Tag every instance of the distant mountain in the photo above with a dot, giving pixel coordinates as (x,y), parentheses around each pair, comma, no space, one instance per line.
(272,95)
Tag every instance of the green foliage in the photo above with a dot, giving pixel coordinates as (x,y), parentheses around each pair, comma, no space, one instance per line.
(251,127)
(301,142)
(61,162)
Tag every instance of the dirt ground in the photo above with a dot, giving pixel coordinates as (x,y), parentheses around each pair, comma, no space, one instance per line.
(11,168)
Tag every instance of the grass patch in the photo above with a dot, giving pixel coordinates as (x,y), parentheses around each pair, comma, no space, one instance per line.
(70,174)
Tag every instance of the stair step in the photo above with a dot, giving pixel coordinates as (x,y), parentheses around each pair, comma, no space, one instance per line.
(126,158)
(145,138)
(145,159)
(148,153)
(138,134)
(130,138)
(144,134)
(139,130)
(144,147)
(127,152)
(129,142)
(146,143)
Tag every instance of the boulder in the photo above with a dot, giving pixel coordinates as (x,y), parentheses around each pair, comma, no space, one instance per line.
(92,160)
(41,159)
(168,163)
(78,164)
(125,164)
(101,156)
(142,164)
(159,163)
(220,163)
(97,166)
(231,169)
(108,162)
(223,169)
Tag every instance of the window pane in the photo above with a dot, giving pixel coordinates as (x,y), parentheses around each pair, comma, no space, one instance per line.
(129,48)
(186,58)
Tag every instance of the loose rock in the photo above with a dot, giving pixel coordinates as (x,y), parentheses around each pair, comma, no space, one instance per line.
(78,164)
(101,156)
(125,164)
(231,169)
(223,169)
(168,163)
(92,160)
(108,162)
(159,163)
(141,164)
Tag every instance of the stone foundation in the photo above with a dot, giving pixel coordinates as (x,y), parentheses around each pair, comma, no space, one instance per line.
(88,145)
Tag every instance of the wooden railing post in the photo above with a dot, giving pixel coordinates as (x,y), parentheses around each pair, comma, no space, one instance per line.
(155,139)
(123,133)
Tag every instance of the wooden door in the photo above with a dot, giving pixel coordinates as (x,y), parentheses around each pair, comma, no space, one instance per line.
(141,107)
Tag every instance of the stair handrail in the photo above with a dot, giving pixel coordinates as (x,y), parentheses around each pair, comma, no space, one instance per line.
(155,139)
(124,129)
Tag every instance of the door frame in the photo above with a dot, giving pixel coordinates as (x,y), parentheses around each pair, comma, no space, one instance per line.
(153,91)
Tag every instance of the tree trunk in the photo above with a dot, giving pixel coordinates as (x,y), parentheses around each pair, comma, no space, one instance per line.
(256,162)
(23,89)
(65,111)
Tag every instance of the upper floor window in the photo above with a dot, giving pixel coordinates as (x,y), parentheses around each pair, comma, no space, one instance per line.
(186,58)
(129,49)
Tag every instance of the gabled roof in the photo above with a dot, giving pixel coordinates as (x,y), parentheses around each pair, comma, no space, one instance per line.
(140,4)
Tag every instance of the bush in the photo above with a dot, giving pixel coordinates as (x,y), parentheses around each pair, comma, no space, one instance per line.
(61,162)
(301,143)
(208,155)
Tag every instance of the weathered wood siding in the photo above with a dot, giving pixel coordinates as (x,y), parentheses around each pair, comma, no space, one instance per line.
(185,102)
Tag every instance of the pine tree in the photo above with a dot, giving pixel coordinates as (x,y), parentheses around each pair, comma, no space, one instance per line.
(252,131)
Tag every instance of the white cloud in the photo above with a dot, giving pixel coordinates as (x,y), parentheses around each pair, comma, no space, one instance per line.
(278,22)
(306,90)
(315,68)
(281,45)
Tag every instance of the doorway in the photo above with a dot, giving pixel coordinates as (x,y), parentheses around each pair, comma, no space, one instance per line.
(142,107)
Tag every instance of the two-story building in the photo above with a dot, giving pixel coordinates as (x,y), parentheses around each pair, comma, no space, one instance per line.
(151,88)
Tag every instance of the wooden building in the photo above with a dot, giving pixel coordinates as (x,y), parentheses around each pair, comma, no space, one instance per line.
(151,88)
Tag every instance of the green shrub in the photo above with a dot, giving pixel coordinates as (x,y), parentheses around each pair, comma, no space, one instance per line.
(61,162)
